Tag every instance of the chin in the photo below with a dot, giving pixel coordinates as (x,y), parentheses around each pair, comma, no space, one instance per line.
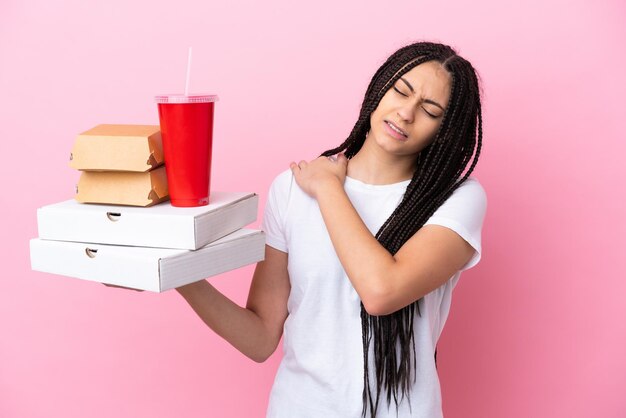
(390,145)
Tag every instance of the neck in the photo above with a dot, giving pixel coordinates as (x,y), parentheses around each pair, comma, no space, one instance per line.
(373,165)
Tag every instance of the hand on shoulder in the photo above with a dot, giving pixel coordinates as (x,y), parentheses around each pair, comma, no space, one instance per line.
(322,172)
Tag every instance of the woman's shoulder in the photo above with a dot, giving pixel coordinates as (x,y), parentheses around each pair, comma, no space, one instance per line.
(471,191)
(464,210)
(473,185)
(472,179)
(283,181)
(285,175)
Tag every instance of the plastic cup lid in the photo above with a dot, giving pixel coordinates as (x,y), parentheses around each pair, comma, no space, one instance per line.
(181,98)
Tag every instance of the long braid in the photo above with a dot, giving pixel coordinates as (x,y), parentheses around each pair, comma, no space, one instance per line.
(438,168)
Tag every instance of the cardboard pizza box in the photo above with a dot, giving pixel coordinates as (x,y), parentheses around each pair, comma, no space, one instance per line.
(152,269)
(161,225)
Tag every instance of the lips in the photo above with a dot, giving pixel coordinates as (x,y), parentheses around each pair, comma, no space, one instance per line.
(393,128)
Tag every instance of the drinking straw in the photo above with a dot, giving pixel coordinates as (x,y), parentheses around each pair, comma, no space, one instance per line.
(188,71)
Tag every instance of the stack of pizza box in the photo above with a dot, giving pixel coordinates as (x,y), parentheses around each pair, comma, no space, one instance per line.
(121,229)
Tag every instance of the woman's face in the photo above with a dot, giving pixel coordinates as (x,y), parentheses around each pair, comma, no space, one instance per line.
(415,105)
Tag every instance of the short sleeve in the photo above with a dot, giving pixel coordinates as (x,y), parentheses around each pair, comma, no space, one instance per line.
(273,223)
(464,212)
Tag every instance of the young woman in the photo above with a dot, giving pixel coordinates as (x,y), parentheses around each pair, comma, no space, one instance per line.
(361,239)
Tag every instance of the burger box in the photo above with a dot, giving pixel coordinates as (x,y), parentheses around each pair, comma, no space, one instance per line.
(161,225)
(123,187)
(152,269)
(118,148)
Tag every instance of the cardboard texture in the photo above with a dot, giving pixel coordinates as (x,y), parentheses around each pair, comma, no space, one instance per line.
(105,147)
(122,187)
(161,225)
(152,269)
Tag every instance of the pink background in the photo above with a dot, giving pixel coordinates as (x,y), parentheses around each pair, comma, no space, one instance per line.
(537,328)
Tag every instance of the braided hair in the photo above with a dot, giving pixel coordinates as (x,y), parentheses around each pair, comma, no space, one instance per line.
(438,169)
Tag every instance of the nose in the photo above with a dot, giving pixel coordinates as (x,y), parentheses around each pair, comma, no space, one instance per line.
(406,112)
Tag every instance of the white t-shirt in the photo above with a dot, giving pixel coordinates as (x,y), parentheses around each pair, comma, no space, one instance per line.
(321,372)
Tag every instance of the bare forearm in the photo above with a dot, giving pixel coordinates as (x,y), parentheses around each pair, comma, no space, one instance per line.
(365,260)
(241,327)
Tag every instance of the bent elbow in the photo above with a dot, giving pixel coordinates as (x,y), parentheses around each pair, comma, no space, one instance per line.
(261,356)
(376,303)
(385,301)
(373,310)
(377,309)
(258,359)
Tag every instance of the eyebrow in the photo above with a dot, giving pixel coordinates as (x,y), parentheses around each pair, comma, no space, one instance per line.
(425,100)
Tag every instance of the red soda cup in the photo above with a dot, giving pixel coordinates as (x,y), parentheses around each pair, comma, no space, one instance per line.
(187,136)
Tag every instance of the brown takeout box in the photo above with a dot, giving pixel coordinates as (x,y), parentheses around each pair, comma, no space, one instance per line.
(118,148)
(123,187)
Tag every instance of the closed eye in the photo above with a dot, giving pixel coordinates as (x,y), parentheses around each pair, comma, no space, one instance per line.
(430,114)
(425,111)
(394,87)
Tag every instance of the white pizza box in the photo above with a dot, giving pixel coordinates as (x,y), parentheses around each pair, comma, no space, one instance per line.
(161,225)
(152,269)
